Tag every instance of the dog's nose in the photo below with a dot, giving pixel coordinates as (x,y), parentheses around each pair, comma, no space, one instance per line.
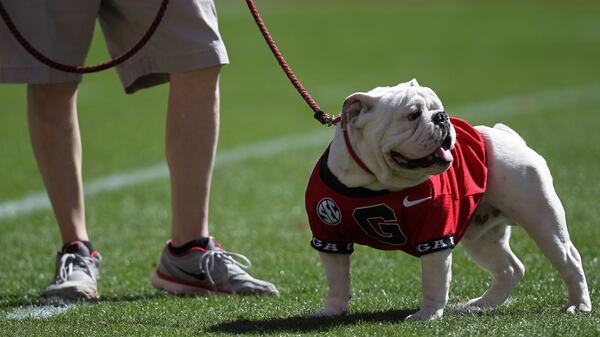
(440,118)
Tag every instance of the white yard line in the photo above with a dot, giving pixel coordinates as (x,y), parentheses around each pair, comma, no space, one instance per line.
(482,111)
(45,308)
(38,311)
(121,180)
(529,103)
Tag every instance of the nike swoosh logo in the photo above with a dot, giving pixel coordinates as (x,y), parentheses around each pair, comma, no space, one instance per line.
(410,203)
(200,277)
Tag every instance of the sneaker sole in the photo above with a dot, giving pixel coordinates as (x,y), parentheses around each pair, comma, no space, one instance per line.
(180,287)
(72,293)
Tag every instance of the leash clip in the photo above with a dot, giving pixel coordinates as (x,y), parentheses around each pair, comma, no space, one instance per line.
(325,118)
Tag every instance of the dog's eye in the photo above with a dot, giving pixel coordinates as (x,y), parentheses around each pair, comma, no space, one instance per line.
(414,115)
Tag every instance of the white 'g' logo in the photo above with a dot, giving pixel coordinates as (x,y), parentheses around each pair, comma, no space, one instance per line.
(329,212)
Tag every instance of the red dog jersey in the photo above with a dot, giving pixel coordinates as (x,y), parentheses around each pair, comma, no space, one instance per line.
(422,219)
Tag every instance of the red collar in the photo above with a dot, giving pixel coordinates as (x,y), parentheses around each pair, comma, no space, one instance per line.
(353,154)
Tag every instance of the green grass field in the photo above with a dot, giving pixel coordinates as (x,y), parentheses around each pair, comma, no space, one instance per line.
(532,65)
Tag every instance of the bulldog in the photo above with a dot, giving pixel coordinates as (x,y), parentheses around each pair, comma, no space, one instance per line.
(402,175)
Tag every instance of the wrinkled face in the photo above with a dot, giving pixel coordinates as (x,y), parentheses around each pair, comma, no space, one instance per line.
(406,126)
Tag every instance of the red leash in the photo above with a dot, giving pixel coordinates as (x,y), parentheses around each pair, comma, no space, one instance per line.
(84,69)
(320,115)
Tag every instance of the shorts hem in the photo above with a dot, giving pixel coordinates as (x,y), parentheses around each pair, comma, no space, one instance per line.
(148,71)
(36,75)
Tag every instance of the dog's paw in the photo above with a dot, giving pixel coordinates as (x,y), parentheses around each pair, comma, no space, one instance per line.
(426,315)
(578,308)
(329,313)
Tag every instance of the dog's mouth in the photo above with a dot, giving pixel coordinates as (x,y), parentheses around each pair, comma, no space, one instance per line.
(441,156)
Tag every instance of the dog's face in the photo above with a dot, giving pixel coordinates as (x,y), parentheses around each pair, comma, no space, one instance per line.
(405,129)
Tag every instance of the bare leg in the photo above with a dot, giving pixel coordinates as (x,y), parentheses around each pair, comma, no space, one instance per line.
(54,132)
(191,138)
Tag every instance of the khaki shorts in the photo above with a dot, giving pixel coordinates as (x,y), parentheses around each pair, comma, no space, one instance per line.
(188,38)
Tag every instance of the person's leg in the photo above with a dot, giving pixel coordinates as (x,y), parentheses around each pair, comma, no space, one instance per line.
(189,56)
(191,138)
(54,132)
(61,30)
(192,262)
(56,142)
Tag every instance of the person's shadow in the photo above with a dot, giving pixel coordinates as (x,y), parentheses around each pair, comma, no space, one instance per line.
(304,324)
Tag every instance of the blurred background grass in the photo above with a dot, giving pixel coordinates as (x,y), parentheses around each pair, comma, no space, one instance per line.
(466,51)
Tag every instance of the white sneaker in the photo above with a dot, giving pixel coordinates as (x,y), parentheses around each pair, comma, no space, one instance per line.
(76,273)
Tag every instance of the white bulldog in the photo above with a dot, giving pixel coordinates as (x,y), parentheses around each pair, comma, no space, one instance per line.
(394,141)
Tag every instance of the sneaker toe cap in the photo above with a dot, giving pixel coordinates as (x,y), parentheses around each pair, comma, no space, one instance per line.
(257,287)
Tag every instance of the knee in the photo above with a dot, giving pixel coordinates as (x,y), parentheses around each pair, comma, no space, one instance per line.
(205,80)
(51,102)
(194,100)
(52,91)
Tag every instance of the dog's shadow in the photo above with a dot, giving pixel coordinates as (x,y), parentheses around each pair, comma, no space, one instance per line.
(304,324)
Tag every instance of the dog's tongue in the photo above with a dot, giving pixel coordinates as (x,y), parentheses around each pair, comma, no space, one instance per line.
(444,154)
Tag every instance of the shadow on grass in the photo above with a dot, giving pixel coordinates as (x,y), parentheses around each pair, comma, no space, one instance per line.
(303,324)
(8,301)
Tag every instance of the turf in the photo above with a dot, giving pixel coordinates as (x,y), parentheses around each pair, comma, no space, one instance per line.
(473,53)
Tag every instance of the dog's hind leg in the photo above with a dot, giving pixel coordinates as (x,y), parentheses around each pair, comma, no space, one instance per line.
(541,214)
(337,269)
(487,243)
(521,186)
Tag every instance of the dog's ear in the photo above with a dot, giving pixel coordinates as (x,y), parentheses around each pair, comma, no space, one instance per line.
(413,83)
(354,105)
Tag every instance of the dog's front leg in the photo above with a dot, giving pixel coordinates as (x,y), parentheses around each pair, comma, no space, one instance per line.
(337,268)
(436,274)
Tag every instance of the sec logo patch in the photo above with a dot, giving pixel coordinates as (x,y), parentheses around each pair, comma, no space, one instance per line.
(329,212)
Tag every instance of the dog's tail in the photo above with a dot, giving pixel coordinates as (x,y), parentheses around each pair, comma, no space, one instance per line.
(505,128)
